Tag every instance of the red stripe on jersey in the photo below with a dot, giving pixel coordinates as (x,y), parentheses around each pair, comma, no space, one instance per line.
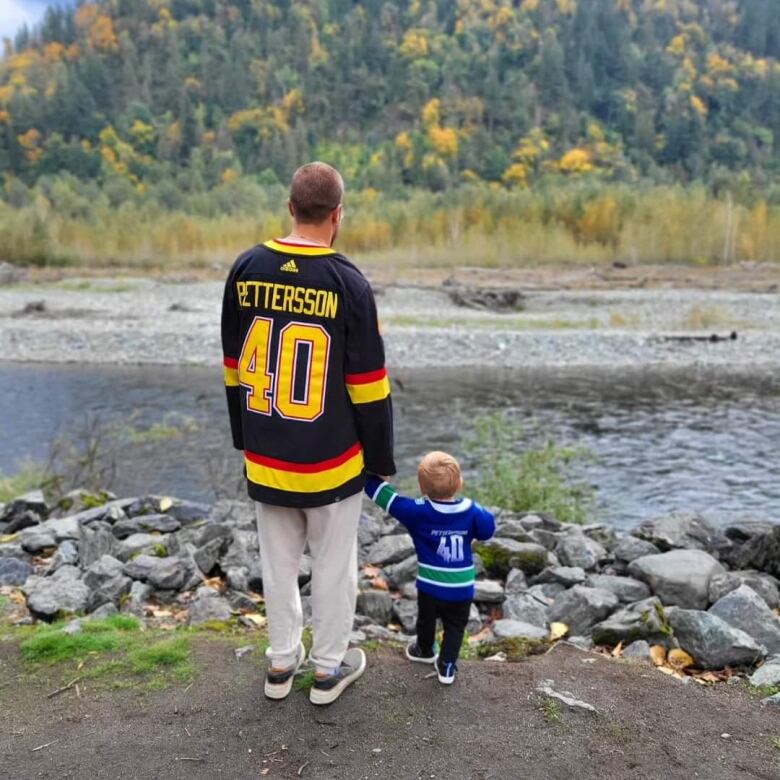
(365,378)
(304,468)
(230,362)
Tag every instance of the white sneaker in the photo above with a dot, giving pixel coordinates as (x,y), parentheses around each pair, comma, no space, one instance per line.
(279,684)
(327,689)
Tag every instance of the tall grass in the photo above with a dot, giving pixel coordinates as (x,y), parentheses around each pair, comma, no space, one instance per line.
(472,225)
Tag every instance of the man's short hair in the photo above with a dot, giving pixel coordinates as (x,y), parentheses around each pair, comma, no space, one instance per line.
(439,475)
(316,189)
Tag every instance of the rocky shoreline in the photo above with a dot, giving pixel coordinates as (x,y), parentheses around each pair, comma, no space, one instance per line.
(674,592)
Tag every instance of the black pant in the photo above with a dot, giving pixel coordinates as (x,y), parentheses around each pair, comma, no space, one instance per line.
(453,614)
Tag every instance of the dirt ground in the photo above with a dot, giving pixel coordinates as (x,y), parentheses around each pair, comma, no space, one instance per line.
(393,723)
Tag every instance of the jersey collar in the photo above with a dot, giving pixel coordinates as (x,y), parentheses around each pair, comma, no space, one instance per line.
(289,248)
(447,508)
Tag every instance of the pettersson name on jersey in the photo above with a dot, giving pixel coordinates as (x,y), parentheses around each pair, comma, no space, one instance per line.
(287,298)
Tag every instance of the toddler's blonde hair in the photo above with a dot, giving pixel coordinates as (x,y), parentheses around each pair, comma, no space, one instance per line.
(439,475)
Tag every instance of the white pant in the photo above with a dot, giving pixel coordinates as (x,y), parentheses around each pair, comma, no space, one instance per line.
(331,532)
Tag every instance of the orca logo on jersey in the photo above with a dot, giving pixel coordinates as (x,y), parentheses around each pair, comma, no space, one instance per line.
(290,266)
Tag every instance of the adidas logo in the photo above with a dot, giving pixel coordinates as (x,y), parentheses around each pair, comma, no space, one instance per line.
(290,266)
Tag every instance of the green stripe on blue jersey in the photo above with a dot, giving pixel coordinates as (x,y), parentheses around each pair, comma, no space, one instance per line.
(384,496)
(446,576)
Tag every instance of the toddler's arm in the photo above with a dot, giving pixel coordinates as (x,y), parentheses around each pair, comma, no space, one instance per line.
(384,495)
(484,523)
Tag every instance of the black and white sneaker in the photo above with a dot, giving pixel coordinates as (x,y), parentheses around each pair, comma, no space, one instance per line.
(327,689)
(446,672)
(413,653)
(279,684)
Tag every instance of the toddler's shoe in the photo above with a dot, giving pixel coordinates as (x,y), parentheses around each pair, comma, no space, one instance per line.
(446,672)
(413,653)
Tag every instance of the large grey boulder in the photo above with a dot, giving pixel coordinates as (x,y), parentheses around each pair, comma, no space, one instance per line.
(106,581)
(162,573)
(236,514)
(33,502)
(526,609)
(741,530)
(564,575)
(680,577)
(768,674)
(763,584)
(398,574)
(163,524)
(642,620)
(762,552)
(582,607)
(95,540)
(488,592)
(14,571)
(743,608)
(681,530)
(208,607)
(390,549)
(638,652)
(63,591)
(375,604)
(629,548)
(103,569)
(514,629)
(627,589)
(149,544)
(35,540)
(578,550)
(515,582)
(512,528)
(501,555)
(60,528)
(243,549)
(712,642)
(369,530)
(405,612)
(67,555)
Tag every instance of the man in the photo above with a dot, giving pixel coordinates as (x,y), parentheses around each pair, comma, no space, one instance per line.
(309,403)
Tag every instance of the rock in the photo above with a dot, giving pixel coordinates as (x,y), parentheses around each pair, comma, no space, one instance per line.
(206,557)
(14,571)
(501,555)
(95,540)
(375,604)
(11,274)
(546,592)
(768,674)
(61,529)
(681,530)
(369,530)
(390,549)
(771,701)
(515,582)
(103,569)
(488,591)
(187,512)
(581,551)
(67,554)
(400,573)
(33,501)
(512,528)
(582,607)
(105,610)
(35,541)
(242,550)
(62,592)
(13,550)
(207,608)
(643,620)
(581,642)
(712,642)
(240,601)
(237,578)
(474,624)
(629,548)
(140,543)
(162,573)
(163,524)
(680,577)
(409,591)
(110,591)
(627,589)
(605,535)
(743,608)
(742,530)
(21,521)
(564,575)
(536,521)
(763,584)
(406,613)
(525,609)
(235,514)
(72,627)
(381,632)
(139,593)
(498,299)
(638,651)
(511,629)
(762,552)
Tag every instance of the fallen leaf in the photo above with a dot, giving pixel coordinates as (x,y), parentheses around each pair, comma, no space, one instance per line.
(558,631)
(7,538)
(257,619)
(658,654)
(479,636)
(679,659)
(371,571)
(618,651)
(162,613)
(377,583)
(165,504)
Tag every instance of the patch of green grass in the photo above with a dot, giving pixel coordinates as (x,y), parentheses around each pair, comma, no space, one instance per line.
(516,648)
(55,646)
(532,480)
(304,681)
(371,645)
(173,655)
(160,550)
(551,710)
(763,691)
(776,743)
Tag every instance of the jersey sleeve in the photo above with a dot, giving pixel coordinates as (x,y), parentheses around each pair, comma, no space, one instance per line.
(385,496)
(231,350)
(368,385)
(484,523)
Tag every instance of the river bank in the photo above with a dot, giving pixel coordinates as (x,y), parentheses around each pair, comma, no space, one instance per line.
(139,320)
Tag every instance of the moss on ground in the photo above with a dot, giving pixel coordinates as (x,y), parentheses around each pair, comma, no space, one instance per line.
(516,648)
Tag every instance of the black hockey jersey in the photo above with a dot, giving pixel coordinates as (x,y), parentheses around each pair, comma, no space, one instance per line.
(307,390)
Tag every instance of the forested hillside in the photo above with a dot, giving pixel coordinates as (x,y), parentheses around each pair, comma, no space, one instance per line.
(162,101)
